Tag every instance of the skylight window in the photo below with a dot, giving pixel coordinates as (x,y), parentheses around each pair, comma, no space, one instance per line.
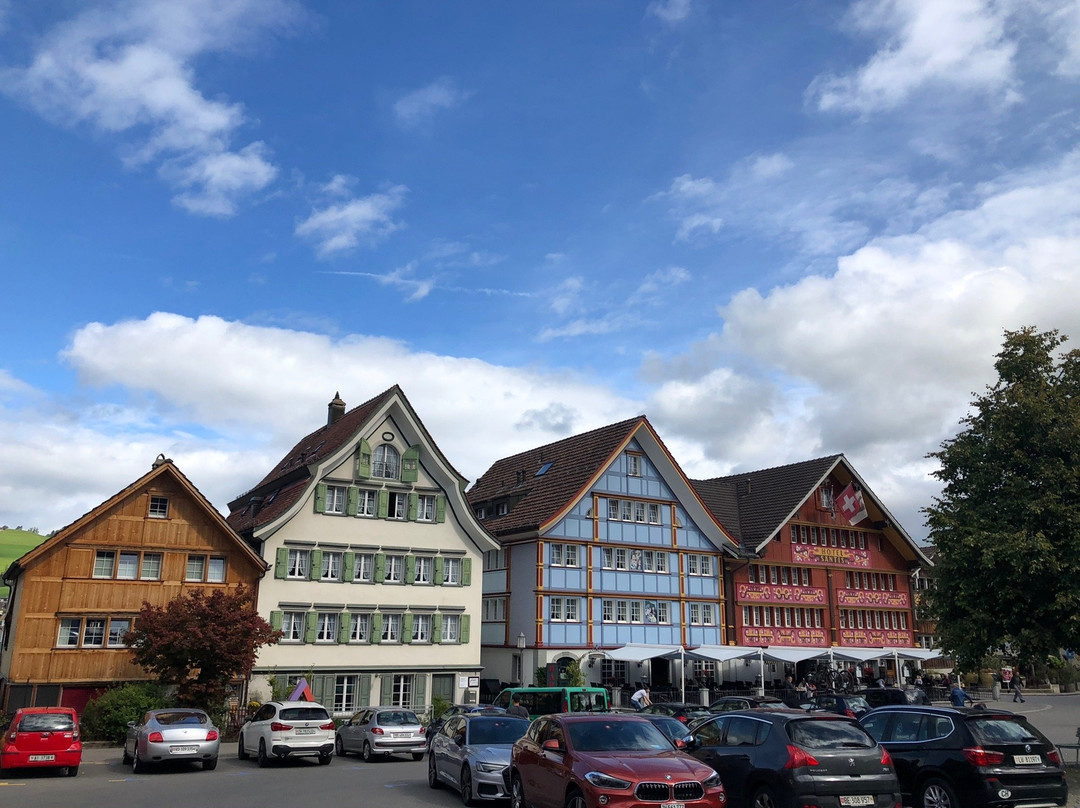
(544,469)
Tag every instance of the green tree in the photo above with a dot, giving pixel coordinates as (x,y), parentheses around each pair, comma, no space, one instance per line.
(1007,523)
(200,643)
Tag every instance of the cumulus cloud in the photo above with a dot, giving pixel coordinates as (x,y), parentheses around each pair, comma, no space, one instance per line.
(128,70)
(340,227)
(419,107)
(671,12)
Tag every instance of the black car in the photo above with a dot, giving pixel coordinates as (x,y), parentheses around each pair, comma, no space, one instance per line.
(881,696)
(672,727)
(984,757)
(841,704)
(772,758)
(458,709)
(683,712)
(728,703)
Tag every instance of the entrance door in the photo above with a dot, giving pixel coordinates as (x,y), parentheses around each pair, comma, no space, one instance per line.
(442,687)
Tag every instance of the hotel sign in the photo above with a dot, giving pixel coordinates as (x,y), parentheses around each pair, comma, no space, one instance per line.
(790,595)
(872,597)
(848,557)
(762,635)
(870,637)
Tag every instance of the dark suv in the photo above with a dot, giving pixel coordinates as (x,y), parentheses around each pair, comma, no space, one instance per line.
(774,758)
(881,696)
(984,757)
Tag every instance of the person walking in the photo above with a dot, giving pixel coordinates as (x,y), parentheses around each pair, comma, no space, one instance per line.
(1018,690)
(641,699)
(958,696)
(518,710)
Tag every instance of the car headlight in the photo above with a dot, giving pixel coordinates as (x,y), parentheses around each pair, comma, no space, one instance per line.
(712,781)
(490,767)
(601,780)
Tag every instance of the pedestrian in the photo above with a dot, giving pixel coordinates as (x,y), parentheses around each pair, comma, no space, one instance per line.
(958,696)
(641,699)
(790,695)
(1018,690)
(518,710)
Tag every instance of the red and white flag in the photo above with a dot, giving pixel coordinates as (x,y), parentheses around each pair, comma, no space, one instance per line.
(851,504)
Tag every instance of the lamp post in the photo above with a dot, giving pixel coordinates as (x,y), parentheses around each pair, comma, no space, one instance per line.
(521,657)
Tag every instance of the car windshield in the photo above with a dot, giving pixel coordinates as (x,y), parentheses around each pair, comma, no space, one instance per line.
(304,714)
(180,718)
(829,734)
(397,718)
(492,731)
(1000,729)
(616,736)
(672,727)
(856,703)
(47,722)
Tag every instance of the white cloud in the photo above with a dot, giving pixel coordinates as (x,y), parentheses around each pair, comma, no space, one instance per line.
(671,12)
(339,228)
(567,296)
(127,69)
(661,280)
(770,166)
(418,107)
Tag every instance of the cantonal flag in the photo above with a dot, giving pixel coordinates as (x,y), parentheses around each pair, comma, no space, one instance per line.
(851,505)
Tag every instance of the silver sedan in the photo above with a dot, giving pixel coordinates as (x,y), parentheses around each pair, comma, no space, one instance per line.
(471,752)
(174,734)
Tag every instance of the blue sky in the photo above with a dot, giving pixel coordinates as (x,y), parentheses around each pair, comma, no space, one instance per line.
(780,230)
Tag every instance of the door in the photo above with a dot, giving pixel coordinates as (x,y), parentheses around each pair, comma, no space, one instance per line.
(442,687)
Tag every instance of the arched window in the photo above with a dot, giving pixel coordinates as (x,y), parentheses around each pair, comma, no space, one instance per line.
(386,462)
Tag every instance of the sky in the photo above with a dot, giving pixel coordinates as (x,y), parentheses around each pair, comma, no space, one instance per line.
(780,230)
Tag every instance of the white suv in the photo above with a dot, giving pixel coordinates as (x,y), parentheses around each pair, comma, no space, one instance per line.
(287,729)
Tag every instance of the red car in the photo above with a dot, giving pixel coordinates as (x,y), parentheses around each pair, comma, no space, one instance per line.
(42,736)
(579,760)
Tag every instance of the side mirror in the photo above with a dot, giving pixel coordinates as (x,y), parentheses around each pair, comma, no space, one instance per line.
(460,740)
(131,724)
(682,743)
(552,745)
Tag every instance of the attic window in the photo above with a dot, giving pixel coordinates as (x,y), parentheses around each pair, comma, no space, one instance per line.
(633,465)
(502,509)
(159,508)
(544,469)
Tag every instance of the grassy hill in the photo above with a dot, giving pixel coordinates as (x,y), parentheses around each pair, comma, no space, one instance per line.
(14,544)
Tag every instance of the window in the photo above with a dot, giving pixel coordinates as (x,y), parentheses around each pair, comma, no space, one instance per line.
(327,627)
(613,509)
(607,611)
(70,628)
(654,513)
(806,576)
(150,570)
(361,628)
(639,511)
(118,627)
(215,571)
(335,499)
(423,570)
(695,614)
(386,462)
(698,564)
(608,558)
(626,510)
(298,564)
(556,553)
(635,611)
(345,694)
(128,567)
(572,556)
(621,611)
(196,568)
(633,465)
(495,560)
(663,612)
(364,567)
(784,575)
(773,576)
(292,627)
(556,610)
(494,608)
(421,628)
(331,566)
(104,561)
(452,572)
(394,566)
(399,505)
(401,696)
(425,508)
(620,558)
(159,508)
(451,628)
(366,503)
(572,610)
(391,631)
(94,632)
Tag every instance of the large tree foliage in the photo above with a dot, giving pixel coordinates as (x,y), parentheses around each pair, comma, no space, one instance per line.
(1007,523)
(200,643)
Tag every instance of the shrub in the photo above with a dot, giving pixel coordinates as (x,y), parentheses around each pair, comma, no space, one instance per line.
(106,717)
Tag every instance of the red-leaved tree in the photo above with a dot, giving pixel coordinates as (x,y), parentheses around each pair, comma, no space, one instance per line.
(200,643)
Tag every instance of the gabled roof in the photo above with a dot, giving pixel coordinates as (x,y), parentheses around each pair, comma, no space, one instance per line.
(541,485)
(755,505)
(162,468)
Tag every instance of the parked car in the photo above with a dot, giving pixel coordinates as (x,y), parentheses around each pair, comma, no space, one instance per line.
(727,703)
(769,758)
(673,728)
(382,731)
(42,737)
(284,729)
(471,753)
(544,700)
(678,710)
(458,709)
(178,734)
(615,759)
(983,757)
(841,704)
(880,696)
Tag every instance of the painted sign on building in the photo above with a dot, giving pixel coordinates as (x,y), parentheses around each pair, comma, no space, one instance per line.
(845,556)
(872,597)
(763,635)
(768,593)
(871,637)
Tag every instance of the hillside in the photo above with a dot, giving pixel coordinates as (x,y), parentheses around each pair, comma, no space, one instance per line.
(13,545)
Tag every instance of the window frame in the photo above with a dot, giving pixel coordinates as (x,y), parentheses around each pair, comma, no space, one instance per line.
(161,511)
(386,462)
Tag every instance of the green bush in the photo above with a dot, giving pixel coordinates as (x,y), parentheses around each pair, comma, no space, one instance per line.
(106,717)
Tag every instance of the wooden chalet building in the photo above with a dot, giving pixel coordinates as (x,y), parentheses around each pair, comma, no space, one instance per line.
(75,596)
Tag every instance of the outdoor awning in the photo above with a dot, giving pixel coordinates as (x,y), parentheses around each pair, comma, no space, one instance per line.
(862,654)
(722,653)
(782,653)
(636,652)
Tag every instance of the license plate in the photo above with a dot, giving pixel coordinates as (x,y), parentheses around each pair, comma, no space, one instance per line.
(183,750)
(673,805)
(41,758)
(861,799)
(400,734)
(1027,760)
(305,731)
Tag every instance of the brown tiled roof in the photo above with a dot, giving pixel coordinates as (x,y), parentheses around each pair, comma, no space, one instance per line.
(754,504)
(574,461)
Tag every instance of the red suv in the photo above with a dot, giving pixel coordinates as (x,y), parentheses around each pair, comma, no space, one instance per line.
(579,760)
(42,736)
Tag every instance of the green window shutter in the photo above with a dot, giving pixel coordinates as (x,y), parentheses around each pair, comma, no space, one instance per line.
(440,508)
(320,498)
(387,694)
(410,464)
(466,571)
(384,503)
(436,628)
(365,688)
(281,568)
(315,569)
(380,567)
(412,506)
(363,461)
(419,692)
(376,628)
(406,627)
(410,569)
(353,501)
(312,627)
(437,578)
(348,566)
(464,633)
(276,620)
(344,627)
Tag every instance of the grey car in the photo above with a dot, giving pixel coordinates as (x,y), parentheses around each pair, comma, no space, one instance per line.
(386,731)
(174,734)
(471,752)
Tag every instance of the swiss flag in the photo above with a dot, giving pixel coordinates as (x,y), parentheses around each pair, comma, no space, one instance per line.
(851,504)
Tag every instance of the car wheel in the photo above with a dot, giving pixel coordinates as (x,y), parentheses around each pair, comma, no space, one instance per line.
(339,747)
(466,786)
(137,766)
(324,760)
(264,761)
(417,755)
(241,750)
(765,797)
(936,793)
(72,771)
(575,799)
(127,757)
(432,773)
(209,765)
(517,793)
(366,753)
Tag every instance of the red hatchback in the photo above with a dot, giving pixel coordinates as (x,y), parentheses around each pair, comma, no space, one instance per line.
(579,760)
(42,736)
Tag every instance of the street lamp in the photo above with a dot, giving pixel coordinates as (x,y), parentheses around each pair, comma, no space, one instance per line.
(521,657)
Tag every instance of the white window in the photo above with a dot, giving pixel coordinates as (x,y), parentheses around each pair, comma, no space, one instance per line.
(621,611)
(425,508)
(654,513)
(798,618)
(399,505)
(345,694)
(663,612)
(661,562)
(572,556)
(70,629)
(609,558)
(695,614)
(366,503)
(298,564)
(423,569)
(196,568)
(502,508)
(805,576)
(104,561)
(495,559)
(215,570)
(706,565)
(150,569)
(556,609)
(572,610)
(773,575)
(159,508)
(327,627)
(292,627)
(401,695)
(633,465)
(626,510)
(361,628)
(335,499)
(639,511)
(391,630)
(395,565)
(128,567)
(635,611)
(692,567)
(421,628)
(813,535)
(452,572)
(607,610)
(783,575)
(495,609)
(648,561)
(386,462)
(843,618)
(746,615)
(364,567)
(768,616)
(451,628)
(331,566)
(94,633)
(613,509)
(556,552)
(620,558)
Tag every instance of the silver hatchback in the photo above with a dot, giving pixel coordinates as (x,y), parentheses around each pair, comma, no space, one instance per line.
(471,753)
(382,731)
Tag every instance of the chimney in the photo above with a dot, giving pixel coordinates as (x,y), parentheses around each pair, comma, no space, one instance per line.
(335,409)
